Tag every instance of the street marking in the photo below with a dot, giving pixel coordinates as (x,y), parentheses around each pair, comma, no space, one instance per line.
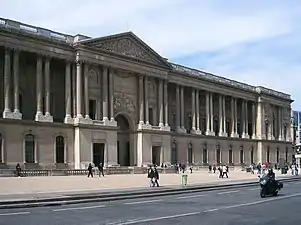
(160,218)
(16,213)
(207,211)
(227,192)
(253,189)
(79,208)
(253,203)
(150,201)
(191,196)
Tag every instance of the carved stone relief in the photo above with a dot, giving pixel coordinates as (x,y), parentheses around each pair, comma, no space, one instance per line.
(124,103)
(128,47)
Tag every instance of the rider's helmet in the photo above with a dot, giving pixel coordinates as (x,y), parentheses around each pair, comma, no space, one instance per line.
(270,171)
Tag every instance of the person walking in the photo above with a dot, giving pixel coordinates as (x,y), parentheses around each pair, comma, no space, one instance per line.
(90,170)
(100,170)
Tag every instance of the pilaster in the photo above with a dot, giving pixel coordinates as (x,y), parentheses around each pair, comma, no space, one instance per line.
(7,113)
(16,114)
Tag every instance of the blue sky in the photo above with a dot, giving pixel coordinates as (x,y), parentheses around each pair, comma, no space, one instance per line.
(253,41)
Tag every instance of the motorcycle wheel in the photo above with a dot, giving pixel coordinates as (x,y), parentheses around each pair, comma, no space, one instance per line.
(275,193)
(262,194)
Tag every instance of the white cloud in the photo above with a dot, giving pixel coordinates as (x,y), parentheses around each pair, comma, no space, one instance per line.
(214,34)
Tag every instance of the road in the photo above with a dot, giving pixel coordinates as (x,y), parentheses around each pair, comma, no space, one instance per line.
(236,207)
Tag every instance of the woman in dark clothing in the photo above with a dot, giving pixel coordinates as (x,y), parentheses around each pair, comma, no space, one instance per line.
(90,168)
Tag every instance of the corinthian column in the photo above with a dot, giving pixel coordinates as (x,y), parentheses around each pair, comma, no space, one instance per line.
(224,116)
(39,113)
(146,100)
(178,107)
(48,116)
(182,110)
(166,102)
(161,124)
(105,107)
(253,120)
(198,112)
(86,91)
(193,109)
(208,130)
(246,120)
(68,118)
(111,83)
(79,90)
(220,111)
(17,114)
(7,82)
(141,104)
(242,119)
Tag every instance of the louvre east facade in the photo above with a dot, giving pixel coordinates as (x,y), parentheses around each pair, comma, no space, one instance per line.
(71,100)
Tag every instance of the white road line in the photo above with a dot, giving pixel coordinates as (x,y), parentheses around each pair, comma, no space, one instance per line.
(191,196)
(159,218)
(254,203)
(207,211)
(135,203)
(15,213)
(253,189)
(79,208)
(227,192)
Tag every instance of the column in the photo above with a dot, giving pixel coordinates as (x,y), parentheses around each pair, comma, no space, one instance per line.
(242,119)
(48,116)
(86,91)
(68,118)
(17,114)
(111,91)
(246,120)
(161,124)
(193,109)
(79,90)
(224,116)
(166,102)
(282,124)
(208,130)
(220,112)
(253,120)
(39,113)
(105,107)
(7,80)
(235,117)
(146,100)
(211,114)
(178,108)
(280,137)
(182,109)
(74,90)
(198,112)
(232,117)
(141,105)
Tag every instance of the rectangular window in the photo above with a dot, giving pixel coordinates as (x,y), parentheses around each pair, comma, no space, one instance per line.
(190,155)
(205,160)
(92,109)
(241,156)
(277,156)
(252,156)
(230,156)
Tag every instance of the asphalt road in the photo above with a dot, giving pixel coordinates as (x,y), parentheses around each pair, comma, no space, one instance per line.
(236,207)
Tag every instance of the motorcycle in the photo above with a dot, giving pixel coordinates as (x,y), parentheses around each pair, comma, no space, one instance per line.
(269,187)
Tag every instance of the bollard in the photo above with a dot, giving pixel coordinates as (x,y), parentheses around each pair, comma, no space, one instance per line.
(184,180)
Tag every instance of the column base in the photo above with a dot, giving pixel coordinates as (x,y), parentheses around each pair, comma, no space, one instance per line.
(143,126)
(165,128)
(222,134)
(68,119)
(181,130)
(245,136)
(254,136)
(111,123)
(39,117)
(235,135)
(17,115)
(198,131)
(272,138)
(79,120)
(7,114)
(210,133)
(48,118)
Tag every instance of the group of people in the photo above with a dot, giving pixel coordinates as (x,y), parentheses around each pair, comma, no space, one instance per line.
(223,170)
(100,170)
(153,175)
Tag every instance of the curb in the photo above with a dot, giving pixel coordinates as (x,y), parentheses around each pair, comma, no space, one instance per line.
(59,201)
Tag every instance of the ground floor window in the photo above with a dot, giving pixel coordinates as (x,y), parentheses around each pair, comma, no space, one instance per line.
(1,149)
(60,149)
(29,148)
(230,156)
(241,155)
(205,159)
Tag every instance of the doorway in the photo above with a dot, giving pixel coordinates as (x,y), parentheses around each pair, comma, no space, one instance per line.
(123,141)
(98,153)
(156,155)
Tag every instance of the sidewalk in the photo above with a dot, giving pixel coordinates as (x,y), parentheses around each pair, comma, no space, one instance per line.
(83,184)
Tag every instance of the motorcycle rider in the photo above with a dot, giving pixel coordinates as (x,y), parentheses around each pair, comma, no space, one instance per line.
(271,174)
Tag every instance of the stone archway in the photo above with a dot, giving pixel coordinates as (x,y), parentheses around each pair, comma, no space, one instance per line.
(123,141)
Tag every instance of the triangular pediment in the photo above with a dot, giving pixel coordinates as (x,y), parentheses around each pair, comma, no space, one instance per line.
(130,45)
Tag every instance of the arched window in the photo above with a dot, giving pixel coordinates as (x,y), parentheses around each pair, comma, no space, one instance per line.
(1,149)
(60,149)
(30,148)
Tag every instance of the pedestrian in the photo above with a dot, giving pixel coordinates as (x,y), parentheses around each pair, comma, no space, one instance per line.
(156,177)
(150,175)
(100,170)
(224,170)
(18,170)
(90,170)
(214,168)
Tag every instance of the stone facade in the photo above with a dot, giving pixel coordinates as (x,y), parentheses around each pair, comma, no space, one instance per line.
(70,100)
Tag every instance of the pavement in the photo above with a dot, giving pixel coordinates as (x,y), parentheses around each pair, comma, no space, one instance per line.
(237,206)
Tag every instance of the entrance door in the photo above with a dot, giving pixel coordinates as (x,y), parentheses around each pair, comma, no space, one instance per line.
(156,155)
(98,153)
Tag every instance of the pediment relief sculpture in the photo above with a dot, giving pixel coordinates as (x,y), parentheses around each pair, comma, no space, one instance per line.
(128,45)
